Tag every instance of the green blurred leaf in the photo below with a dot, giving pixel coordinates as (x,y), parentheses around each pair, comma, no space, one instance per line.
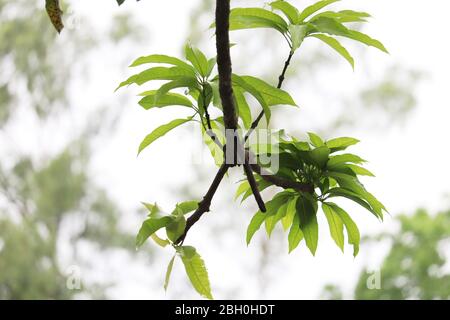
(161,131)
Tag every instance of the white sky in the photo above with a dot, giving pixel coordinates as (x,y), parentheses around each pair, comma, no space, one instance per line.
(411,161)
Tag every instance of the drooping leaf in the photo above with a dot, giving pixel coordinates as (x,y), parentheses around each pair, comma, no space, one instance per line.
(367,40)
(161,131)
(156,73)
(175,229)
(243,107)
(55,14)
(335,225)
(344,158)
(333,43)
(295,234)
(351,227)
(360,170)
(150,226)
(307,214)
(272,220)
(196,270)
(272,95)
(169,272)
(255,224)
(287,220)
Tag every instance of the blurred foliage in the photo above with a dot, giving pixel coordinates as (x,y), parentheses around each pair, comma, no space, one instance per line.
(415,267)
(49,205)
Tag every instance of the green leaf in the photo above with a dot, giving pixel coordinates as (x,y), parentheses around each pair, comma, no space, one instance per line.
(169,99)
(198,60)
(161,242)
(243,187)
(367,40)
(360,170)
(169,272)
(288,10)
(343,16)
(239,81)
(297,33)
(341,192)
(182,82)
(211,64)
(272,95)
(351,227)
(161,131)
(186,207)
(156,73)
(271,221)
(175,229)
(196,270)
(335,224)
(329,25)
(150,226)
(341,143)
(333,43)
(295,234)
(344,158)
(254,225)
(315,139)
(160,58)
(319,156)
(307,214)
(314,8)
(243,107)
(249,18)
(287,220)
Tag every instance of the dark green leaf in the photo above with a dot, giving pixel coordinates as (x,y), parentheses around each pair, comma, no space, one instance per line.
(307,214)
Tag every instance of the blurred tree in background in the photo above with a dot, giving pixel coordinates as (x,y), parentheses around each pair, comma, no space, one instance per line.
(49,205)
(416,265)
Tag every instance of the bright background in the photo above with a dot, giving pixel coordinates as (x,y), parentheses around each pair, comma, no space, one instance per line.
(396,104)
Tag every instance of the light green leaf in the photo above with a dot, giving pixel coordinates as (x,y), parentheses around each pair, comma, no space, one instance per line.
(314,8)
(344,158)
(364,38)
(341,192)
(307,214)
(271,221)
(333,43)
(320,156)
(161,131)
(286,221)
(169,99)
(341,143)
(288,10)
(360,170)
(249,18)
(335,224)
(351,227)
(297,34)
(255,224)
(182,82)
(196,270)
(242,107)
(150,226)
(175,229)
(186,207)
(160,58)
(198,60)
(161,242)
(272,95)
(295,234)
(169,272)
(315,139)
(329,25)
(156,73)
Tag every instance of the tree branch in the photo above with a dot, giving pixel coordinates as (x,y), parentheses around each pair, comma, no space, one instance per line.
(280,84)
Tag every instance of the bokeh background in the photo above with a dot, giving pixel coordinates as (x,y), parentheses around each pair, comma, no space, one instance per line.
(71,184)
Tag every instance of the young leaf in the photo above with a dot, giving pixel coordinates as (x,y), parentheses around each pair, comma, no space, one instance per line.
(341,192)
(271,221)
(360,170)
(169,272)
(186,207)
(198,60)
(196,270)
(314,8)
(319,156)
(287,220)
(156,73)
(161,131)
(295,234)
(272,95)
(351,227)
(169,99)
(338,144)
(161,242)
(315,139)
(344,158)
(288,10)
(181,82)
(150,226)
(254,225)
(297,33)
(160,58)
(364,38)
(335,224)
(333,43)
(249,18)
(307,214)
